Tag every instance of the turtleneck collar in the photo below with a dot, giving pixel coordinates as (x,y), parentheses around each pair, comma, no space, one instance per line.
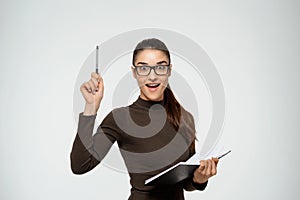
(147,104)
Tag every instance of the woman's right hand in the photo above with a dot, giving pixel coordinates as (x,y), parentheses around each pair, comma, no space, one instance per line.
(92,91)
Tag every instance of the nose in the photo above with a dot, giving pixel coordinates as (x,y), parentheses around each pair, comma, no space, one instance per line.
(152,76)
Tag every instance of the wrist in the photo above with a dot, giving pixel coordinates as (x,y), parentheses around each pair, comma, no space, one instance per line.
(90,109)
(199,181)
(199,186)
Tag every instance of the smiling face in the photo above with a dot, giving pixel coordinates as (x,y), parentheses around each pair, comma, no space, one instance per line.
(151,86)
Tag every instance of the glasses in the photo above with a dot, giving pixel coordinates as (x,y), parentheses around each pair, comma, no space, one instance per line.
(159,70)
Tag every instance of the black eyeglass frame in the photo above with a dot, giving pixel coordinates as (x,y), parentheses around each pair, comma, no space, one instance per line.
(154,68)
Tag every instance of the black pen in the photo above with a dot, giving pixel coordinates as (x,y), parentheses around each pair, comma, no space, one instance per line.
(224,154)
(97,62)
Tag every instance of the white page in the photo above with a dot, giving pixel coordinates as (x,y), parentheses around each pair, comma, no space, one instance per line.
(194,160)
(216,152)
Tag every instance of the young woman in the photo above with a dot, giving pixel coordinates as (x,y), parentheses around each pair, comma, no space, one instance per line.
(153,133)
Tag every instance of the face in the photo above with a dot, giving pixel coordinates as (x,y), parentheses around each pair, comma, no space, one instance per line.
(152,86)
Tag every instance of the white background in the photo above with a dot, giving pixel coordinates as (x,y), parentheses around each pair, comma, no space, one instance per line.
(254,45)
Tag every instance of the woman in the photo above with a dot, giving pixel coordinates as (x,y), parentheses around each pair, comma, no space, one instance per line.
(153,133)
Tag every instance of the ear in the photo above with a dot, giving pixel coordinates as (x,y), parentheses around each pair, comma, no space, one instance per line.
(170,70)
(133,72)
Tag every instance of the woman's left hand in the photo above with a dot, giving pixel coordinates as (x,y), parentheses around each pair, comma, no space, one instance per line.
(207,169)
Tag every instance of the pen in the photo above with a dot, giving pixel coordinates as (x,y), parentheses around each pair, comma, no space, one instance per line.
(224,154)
(97,62)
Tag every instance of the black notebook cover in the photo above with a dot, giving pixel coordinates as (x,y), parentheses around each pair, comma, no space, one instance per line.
(181,171)
(175,175)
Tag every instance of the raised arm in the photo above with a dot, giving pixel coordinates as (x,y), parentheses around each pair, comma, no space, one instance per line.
(88,150)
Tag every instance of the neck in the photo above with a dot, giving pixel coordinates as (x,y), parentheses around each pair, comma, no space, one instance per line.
(161,98)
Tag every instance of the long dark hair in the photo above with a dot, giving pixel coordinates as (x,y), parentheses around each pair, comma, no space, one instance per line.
(172,106)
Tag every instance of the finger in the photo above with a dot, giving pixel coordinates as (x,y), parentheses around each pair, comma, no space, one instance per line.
(96,83)
(85,86)
(213,168)
(92,86)
(208,169)
(216,160)
(100,86)
(96,76)
(203,167)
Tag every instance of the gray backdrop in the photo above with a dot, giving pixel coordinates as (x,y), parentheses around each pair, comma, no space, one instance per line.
(254,45)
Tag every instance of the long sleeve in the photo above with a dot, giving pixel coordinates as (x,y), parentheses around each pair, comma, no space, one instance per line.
(88,150)
(190,185)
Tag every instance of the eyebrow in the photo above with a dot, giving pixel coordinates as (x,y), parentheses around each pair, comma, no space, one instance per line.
(158,63)
(141,63)
(162,62)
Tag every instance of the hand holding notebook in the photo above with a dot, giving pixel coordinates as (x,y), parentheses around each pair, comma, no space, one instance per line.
(184,170)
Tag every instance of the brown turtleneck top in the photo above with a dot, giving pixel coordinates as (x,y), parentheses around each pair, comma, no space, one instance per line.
(148,144)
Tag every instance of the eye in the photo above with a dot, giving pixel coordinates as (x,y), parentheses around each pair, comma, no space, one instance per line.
(160,67)
(143,68)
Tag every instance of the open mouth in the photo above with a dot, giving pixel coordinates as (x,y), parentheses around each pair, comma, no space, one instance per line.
(152,85)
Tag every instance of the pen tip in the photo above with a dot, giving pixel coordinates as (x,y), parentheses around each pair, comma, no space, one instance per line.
(97,47)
